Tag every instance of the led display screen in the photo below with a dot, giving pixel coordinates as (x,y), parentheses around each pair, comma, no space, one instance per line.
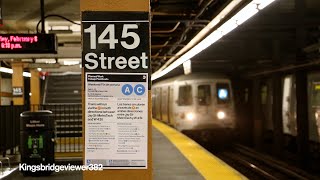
(28,43)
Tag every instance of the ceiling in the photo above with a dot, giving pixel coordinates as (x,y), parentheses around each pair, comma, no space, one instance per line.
(276,36)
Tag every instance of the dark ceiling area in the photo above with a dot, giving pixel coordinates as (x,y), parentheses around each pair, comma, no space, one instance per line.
(176,22)
(283,34)
(286,33)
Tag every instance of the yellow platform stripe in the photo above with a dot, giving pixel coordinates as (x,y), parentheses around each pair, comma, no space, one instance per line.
(209,166)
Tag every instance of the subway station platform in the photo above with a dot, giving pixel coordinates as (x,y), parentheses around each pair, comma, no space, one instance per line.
(175,156)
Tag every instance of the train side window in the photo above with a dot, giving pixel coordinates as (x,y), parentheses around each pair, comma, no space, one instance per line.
(185,95)
(223,93)
(204,95)
(289,104)
(264,94)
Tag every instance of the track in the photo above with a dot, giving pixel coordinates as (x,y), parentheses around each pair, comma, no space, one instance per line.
(255,165)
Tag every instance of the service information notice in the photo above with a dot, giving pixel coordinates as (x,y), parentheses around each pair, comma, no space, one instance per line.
(116,114)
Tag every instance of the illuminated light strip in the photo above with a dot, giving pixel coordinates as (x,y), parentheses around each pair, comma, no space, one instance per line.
(10,71)
(208,165)
(243,15)
(203,33)
(26,74)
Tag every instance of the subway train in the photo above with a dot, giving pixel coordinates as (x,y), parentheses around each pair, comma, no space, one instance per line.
(196,101)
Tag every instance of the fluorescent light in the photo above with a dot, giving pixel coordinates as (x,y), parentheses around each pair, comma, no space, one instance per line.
(10,71)
(243,15)
(70,61)
(26,74)
(75,27)
(227,27)
(262,3)
(47,61)
(6,70)
(60,28)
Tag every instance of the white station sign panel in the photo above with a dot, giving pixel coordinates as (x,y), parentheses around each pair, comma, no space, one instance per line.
(115,59)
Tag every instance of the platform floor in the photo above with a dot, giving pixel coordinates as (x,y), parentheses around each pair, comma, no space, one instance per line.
(175,157)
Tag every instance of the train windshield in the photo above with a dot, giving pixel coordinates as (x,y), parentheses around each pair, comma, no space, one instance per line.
(204,95)
(185,95)
(223,93)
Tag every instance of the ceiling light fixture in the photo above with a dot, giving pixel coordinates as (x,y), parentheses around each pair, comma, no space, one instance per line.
(243,15)
(69,61)
(10,71)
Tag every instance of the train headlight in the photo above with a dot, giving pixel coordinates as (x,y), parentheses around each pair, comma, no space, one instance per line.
(221,115)
(190,116)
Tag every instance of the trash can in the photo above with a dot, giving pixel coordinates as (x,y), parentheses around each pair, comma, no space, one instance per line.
(37,141)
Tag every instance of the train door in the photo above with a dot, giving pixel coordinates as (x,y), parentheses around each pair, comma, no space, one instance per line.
(266,110)
(314,106)
(184,107)
(158,103)
(153,103)
(164,104)
(170,104)
(204,98)
(314,118)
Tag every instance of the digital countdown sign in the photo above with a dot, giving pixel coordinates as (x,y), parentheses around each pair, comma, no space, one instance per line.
(28,43)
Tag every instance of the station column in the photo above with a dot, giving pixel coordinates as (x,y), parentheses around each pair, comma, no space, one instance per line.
(35,89)
(116,89)
(17,84)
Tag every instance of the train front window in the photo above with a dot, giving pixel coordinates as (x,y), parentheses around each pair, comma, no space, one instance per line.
(223,93)
(204,95)
(185,95)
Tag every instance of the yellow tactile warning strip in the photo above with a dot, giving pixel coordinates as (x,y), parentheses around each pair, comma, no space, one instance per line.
(209,166)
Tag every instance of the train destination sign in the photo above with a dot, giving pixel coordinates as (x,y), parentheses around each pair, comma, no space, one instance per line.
(28,43)
(115,59)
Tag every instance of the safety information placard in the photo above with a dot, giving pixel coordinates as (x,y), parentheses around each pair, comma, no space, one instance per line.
(116,114)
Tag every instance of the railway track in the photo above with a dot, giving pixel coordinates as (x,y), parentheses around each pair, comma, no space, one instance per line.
(255,165)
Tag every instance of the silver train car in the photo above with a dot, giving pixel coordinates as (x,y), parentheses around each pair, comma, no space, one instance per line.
(194,102)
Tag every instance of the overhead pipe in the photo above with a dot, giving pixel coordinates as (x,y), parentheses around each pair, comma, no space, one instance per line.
(165,45)
(160,50)
(180,20)
(183,35)
(171,14)
(203,32)
(167,31)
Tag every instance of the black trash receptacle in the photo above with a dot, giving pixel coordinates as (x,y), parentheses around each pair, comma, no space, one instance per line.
(37,140)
